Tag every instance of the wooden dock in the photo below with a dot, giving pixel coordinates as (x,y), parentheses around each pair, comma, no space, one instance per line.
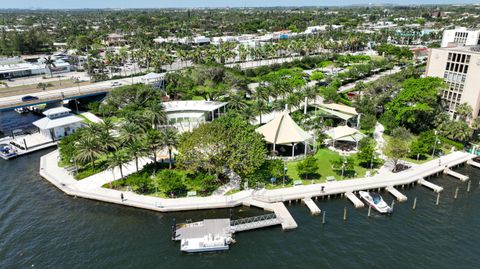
(400,196)
(354,199)
(452,173)
(312,206)
(430,185)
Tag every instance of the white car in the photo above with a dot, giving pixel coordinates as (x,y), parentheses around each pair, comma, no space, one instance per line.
(116,84)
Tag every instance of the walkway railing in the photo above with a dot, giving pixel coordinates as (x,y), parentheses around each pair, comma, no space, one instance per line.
(254,222)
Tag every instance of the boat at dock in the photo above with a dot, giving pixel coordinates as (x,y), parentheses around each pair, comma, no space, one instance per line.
(376,202)
(209,243)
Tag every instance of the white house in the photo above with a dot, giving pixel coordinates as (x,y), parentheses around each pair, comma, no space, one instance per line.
(59,122)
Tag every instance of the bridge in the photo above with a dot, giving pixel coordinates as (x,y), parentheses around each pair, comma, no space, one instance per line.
(15,101)
(256,222)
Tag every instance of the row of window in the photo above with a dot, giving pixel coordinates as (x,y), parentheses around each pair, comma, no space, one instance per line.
(456,67)
(452,96)
(458,57)
(454,77)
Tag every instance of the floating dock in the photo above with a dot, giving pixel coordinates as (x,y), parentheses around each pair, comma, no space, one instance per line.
(354,199)
(473,163)
(452,173)
(312,206)
(430,185)
(278,208)
(400,196)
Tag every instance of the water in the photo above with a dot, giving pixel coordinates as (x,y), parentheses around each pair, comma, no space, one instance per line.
(43,228)
(11,120)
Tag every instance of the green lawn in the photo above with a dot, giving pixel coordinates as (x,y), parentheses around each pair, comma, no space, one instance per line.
(324,158)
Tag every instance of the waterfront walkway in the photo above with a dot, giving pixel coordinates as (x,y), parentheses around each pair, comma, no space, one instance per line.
(271,200)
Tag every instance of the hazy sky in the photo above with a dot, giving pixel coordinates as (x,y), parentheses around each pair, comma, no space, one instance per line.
(203,3)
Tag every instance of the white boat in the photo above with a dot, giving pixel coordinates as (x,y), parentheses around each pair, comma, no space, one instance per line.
(376,202)
(208,243)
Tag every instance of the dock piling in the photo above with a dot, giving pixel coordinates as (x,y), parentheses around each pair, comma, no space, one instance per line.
(345,214)
(456,194)
(468,185)
(438,199)
(369,210)
(323,217)
(393,204)
(414,203)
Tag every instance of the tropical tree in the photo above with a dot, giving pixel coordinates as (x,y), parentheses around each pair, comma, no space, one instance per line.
(44,86)
(136,150)
(130,133)
(260,107)
(154,142)
(88,149)
(170,140)
(118,159)
(464,111)
(49,64)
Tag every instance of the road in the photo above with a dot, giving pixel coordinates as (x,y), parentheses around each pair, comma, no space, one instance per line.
(350,86)
(66,93)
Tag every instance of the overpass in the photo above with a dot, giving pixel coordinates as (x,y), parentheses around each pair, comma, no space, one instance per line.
(12,102)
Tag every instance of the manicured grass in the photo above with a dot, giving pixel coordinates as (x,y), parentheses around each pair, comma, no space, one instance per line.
(324,158)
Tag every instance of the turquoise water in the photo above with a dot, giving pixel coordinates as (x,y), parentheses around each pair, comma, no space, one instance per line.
(43,228)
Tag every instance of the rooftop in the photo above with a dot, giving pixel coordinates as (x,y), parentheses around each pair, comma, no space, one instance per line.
(48,123)
(56,110)
(469,49)
(206,106)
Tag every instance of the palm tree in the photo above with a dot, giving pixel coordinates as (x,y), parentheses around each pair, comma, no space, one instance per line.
(136,150)
(154,141)
(236,101)
(119,159)
(170,140)
(261,107)
(88,149)
(464,111)
(155,112)
(130,133)
(49,64)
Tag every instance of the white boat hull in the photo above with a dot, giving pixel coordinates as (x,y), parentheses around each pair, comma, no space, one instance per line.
(379,205)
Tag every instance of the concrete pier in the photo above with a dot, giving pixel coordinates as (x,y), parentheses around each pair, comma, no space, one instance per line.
(430,185)
(473,163)
(452,173)
(287,221)
(400,197)
(354,199)
(312,206)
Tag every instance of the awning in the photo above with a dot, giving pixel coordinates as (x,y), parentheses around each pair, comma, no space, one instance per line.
(345,133)
(283,130)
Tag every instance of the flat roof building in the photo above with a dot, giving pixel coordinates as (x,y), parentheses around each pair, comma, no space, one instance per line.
(460,36)
(58,123)
(459,67)
(187,115)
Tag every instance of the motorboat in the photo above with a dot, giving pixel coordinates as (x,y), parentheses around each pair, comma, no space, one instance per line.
(376,202)
(208,243)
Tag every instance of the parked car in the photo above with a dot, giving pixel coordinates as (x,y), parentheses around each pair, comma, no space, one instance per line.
(28,98)
(116,84)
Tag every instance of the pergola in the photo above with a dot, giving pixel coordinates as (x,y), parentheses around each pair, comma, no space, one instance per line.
(283,130)
(346,134)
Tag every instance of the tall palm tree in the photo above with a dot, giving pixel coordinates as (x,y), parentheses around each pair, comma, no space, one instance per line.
(154,141)
(236,101)
(118,159)
(49,64)
(130,133)
(261,108)
(464,111)
(170,140)
(88,149)
(136,150)
(155,112)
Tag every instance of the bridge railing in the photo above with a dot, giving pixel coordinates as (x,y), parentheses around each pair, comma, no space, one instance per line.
(251,220)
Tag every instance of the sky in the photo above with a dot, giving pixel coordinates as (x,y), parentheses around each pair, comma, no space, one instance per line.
(70,4)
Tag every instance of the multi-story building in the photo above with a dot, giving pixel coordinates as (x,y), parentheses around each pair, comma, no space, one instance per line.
(459,67)
(460,36)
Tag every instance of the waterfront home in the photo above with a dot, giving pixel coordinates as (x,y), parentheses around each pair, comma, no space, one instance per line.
(59,122)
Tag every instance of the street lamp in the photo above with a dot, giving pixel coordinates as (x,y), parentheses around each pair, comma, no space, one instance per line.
(343,165)
(434,143)
(284,171)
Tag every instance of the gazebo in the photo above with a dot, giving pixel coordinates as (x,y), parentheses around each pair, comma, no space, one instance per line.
(345,134)
(283,130)
(340,111)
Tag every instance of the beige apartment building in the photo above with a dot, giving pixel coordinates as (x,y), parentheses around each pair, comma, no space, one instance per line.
(460,69)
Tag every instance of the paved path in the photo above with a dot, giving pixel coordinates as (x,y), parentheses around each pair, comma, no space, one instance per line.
(350,86)
(91,187)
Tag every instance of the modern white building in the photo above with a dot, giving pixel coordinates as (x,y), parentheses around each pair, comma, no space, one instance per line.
(59,122)
(460,36)
(16,67)
(187,115)
(459,67)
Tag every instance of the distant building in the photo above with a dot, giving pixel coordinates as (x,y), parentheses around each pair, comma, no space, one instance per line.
(58,123)
(16,67)
(187,115)
(460,36)
(459,67)
(115,39)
